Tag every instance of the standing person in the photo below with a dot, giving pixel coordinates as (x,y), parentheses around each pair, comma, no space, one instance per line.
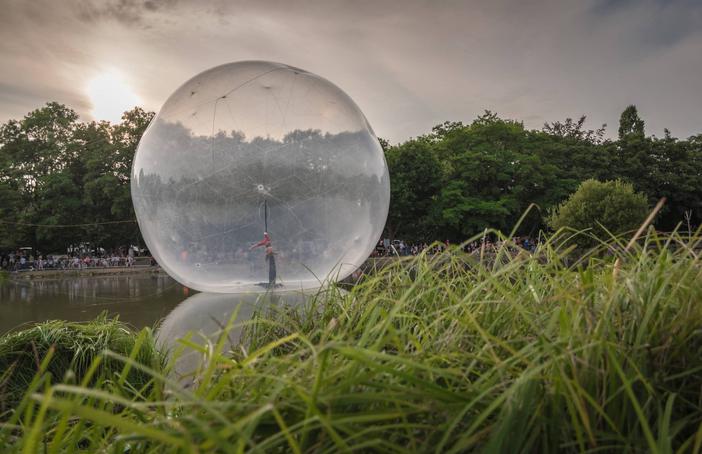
(270,257)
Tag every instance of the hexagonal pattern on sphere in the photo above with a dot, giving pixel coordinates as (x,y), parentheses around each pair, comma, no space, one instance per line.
(253,147)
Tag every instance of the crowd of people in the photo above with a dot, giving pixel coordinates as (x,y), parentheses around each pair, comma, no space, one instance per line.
(387,248)
(24,260)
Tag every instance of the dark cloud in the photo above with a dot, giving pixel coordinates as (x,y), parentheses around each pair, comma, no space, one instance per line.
(128,12)
(652,23)
(409,65)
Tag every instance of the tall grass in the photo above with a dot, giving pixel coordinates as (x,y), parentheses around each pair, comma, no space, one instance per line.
(72,352)
(516,353)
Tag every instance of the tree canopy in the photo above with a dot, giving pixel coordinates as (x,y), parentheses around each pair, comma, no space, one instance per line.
(56,171)
(448,184)
(492,169)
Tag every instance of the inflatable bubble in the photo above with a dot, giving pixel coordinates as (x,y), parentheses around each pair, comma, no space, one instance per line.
(258,175)
(202,317)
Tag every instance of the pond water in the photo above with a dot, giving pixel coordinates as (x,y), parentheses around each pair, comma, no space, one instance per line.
(148,299)
(139,299)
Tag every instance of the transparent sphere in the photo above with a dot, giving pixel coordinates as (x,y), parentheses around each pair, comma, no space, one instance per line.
(203,317)
(258,175)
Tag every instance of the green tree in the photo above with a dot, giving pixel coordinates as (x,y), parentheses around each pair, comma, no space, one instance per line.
(384,144)
(59,204)
(9,205)
(483,180)
(415,180)
(569,154)
(34,151)
(630,124)
(634,160)
(57,171)
(601,207)
(665,167)
(575,130)
(126,136)
(107,152)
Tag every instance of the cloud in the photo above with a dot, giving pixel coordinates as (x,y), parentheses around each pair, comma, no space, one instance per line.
(129,12)
(408,65)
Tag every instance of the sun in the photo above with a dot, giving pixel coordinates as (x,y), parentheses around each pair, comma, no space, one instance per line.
(110,96)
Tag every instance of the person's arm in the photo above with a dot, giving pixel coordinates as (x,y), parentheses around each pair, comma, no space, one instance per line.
(264,242)
(259,244)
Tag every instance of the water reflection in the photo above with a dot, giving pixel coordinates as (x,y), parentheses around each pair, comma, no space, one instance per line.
(139,299)
(202,318)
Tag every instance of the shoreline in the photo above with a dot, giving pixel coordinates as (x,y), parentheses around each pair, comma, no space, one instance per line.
(370,265)
(85,272)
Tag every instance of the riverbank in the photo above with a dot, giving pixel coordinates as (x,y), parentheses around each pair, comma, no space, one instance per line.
(370,266)
(76,272)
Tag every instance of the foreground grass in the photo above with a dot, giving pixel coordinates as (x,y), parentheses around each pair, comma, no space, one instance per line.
(522,352)
(72,352)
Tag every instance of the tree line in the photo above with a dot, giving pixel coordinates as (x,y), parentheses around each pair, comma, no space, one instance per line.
(460,179)
(66,182)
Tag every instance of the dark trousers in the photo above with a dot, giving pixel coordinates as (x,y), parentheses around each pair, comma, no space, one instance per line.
(271,270)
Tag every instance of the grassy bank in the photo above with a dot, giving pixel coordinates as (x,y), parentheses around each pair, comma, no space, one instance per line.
(522,352)
(70,352)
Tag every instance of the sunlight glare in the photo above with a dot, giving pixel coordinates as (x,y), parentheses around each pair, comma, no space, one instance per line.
(110,97)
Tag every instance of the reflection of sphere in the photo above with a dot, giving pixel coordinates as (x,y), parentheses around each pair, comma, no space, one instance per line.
(253,146)
(203,316)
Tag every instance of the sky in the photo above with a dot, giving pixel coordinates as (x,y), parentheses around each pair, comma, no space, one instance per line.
(409,65)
